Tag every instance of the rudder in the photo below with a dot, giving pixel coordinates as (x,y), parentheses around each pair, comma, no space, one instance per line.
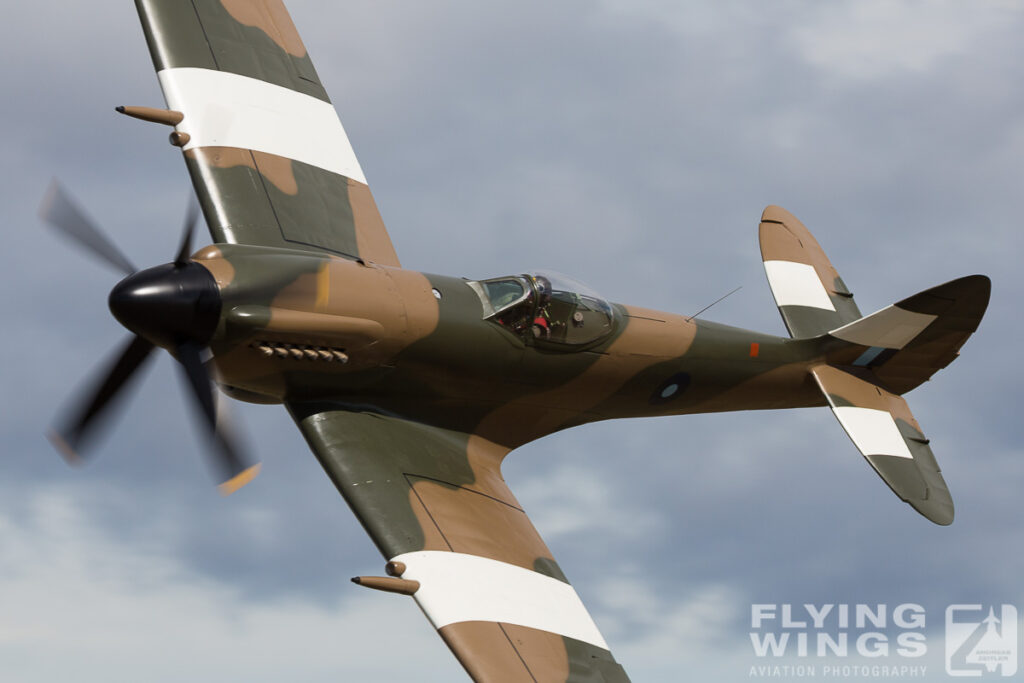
(906,343)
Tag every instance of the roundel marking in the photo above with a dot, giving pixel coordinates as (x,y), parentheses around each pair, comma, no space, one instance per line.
(671,388)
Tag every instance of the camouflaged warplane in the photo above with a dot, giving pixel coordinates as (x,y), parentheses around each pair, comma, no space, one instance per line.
(411,388)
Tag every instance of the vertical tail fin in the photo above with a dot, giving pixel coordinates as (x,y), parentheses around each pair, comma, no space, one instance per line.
(906,343)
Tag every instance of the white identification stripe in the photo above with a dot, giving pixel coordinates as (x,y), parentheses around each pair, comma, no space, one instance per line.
(874,432)
(797,284)
(892,327)
(455,587)
(227,110)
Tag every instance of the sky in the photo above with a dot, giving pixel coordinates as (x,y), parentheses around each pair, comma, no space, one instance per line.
(631,144)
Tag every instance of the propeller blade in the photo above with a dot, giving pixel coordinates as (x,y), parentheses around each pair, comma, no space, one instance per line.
(191,218)
(199,381)
(60,211)
(85,418)
(234,471)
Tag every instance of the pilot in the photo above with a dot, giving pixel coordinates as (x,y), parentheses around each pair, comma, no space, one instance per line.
(541,321)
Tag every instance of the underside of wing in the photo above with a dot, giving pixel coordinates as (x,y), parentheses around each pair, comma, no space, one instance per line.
(267,153)
(434,502)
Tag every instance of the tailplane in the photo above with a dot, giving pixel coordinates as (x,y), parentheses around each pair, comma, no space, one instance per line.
(885,432)
(870,361)
(811,296)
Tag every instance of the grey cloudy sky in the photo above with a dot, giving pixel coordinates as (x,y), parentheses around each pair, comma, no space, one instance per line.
(629,143)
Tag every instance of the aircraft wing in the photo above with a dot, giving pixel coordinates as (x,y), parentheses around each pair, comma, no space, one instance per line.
(434,501)
(267,153)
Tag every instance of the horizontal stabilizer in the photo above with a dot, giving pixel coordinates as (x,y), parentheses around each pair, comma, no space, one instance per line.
(887,435)
(811,296)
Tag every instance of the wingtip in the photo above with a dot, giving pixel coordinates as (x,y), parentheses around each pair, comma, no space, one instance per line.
(938,514)
(775,214)
(239,480)
(936,506)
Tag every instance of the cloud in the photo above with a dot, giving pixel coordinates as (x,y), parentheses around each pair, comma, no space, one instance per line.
(649,623)
(572,500)
(876,39)
(115,610)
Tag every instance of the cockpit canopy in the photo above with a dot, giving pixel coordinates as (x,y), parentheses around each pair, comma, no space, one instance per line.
(546,307)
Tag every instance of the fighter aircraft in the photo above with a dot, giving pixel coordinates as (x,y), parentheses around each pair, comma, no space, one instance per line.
(411,388)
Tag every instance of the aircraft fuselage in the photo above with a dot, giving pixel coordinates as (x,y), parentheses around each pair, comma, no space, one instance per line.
(298,325)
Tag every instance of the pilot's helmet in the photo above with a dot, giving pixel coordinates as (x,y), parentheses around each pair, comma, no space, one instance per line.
(543,286)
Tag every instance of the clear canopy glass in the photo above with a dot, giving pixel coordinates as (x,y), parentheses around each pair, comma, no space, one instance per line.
(546,307)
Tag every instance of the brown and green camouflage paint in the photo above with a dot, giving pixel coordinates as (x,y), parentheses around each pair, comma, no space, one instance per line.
(959,305)
(784,238)
(533,656)
(252,197)
(916,480)
(445,394)
(260,198)
(254,38)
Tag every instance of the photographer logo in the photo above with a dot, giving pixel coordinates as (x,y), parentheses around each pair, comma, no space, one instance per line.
(981,640)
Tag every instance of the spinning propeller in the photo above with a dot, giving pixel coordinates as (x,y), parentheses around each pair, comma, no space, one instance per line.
(175,306)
